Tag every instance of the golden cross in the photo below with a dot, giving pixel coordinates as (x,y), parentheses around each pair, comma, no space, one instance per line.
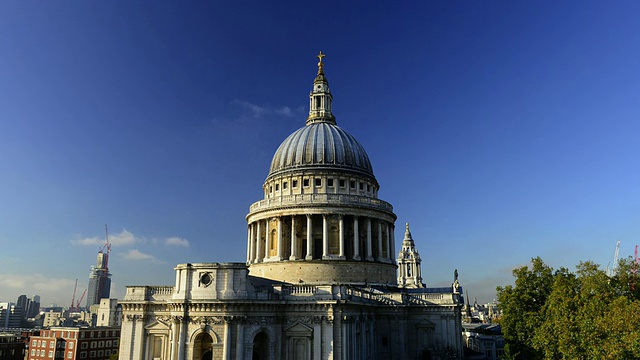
(320,64)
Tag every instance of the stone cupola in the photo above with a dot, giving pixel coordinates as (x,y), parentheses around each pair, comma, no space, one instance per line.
(321,220)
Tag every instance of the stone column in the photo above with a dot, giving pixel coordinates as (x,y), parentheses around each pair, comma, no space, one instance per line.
(356,239)
(393,242)
(248,243)
(387,227)
(379,240)
(294,242)
(279,238)
(240,342)
(267,239)
(325,237)
(226,350)
(252,235)
(259,243)
(183,336)
(341,254)
(309,233)
(369,240)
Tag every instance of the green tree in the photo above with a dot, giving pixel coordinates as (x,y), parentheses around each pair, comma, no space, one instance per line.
(522,306)
(566,315)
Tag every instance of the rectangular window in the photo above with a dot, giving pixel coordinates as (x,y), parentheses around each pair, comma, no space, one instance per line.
(115,343)
(318,182)
(51,344)
(101,344)
(305,182)
(295,184)
(70,345)
(284,185)
(341,182)
(361,185)
(368,187)
(277,187)
(33,343)
(83,355)
(33,352)
(84,345)
(92,353)
(70,355)
(352,184)
(50,354)
(100,353)
(330,182)
(107,343)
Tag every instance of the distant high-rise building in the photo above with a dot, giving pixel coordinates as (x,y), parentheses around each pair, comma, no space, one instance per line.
(99,280)
(33,307)
(10,315)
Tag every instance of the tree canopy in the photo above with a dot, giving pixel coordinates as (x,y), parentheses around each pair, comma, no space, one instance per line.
(559,314)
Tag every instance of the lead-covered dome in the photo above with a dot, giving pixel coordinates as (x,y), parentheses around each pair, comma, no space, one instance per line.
(321,144)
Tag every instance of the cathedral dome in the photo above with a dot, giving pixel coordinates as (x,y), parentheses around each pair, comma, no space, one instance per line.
(321,145)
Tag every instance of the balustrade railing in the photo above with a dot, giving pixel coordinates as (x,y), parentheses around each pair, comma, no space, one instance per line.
(321,199)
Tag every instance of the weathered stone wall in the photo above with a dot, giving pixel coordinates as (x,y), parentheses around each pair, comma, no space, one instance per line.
(323,272)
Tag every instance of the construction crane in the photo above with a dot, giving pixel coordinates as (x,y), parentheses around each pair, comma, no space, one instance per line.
(80,301)
(106,249)
(73,298)
(75,305)
(612,271)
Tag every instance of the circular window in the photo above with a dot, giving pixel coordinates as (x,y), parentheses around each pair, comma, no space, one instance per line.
(206,279)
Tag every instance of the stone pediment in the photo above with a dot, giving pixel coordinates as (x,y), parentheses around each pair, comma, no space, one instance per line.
(299,329)
(425,324)
(157,325)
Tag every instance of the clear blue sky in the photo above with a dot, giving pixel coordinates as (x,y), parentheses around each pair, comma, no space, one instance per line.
(501,130)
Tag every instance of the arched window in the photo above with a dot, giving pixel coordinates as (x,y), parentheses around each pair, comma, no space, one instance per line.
(203,347)
(260,347)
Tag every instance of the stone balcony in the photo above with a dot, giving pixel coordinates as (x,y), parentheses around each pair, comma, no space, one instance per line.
(320,200)
(148,293)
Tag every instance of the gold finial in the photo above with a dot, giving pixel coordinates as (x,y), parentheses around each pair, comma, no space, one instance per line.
(407,226)
(320,64)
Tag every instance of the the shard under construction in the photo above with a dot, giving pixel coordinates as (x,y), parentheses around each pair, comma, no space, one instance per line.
(99,277)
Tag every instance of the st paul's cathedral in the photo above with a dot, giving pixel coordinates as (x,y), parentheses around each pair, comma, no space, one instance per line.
(323,278)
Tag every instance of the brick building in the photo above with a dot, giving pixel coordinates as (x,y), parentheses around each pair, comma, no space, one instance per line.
(73,343)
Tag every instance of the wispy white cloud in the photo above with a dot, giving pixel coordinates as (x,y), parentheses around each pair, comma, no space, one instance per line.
(258,111)
(33,283)
(176,241)
(125,237)
(135,254)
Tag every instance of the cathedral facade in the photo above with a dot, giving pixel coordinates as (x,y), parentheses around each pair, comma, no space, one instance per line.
(321,279)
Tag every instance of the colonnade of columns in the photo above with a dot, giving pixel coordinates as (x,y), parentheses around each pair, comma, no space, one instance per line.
(323,236)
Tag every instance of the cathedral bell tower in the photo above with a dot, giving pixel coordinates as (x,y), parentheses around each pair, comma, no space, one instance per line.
(409,269)
(320,98)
